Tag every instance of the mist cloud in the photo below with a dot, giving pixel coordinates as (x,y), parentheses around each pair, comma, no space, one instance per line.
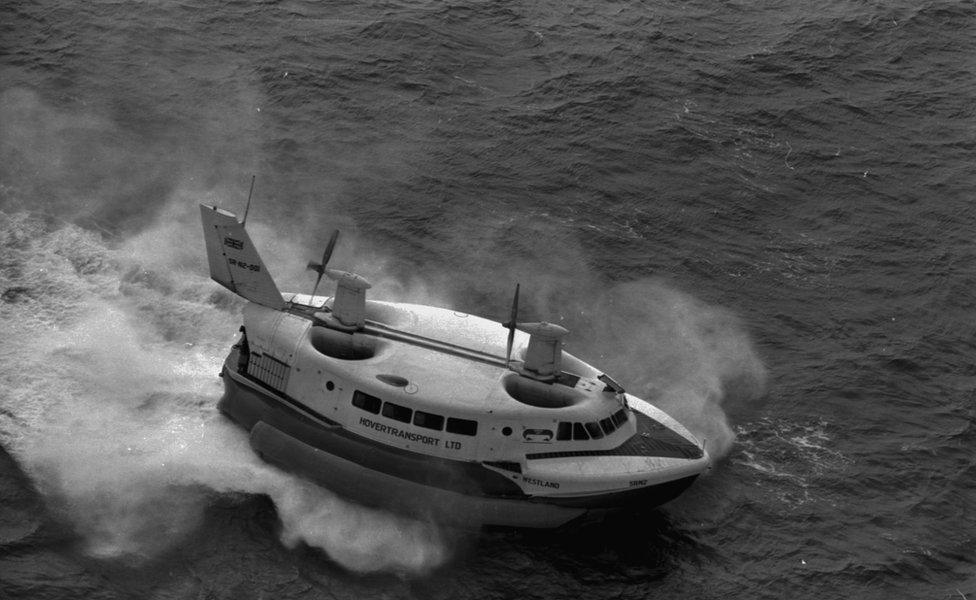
(112,410)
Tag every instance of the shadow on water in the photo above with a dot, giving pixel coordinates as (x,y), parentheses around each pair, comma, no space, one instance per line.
(23,518)
(617,552)
(646,540)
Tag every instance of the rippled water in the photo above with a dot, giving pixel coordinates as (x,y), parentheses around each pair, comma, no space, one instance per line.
(757,215)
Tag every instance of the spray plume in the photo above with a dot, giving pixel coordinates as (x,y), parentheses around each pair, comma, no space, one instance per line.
(111,367)
(693,360)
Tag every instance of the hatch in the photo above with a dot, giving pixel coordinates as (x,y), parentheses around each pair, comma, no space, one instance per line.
(540,394)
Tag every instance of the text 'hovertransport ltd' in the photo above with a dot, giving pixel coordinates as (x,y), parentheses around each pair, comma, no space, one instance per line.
(407,435)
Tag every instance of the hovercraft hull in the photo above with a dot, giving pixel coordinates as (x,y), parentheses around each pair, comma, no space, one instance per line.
(287,434)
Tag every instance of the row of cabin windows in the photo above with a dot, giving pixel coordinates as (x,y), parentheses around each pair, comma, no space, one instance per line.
(372,404)
(593,430)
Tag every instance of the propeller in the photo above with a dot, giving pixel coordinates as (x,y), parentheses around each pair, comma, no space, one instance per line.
(320,267)
(513,319)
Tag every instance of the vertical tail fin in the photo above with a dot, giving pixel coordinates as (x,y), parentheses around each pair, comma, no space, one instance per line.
(234,261)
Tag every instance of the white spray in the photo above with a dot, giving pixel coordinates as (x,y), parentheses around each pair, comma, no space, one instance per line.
(110,366)
(691,359)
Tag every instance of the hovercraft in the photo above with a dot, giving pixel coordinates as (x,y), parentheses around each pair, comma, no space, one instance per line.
(432,412)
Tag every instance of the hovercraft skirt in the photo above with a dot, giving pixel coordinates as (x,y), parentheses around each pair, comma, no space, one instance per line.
(372,488)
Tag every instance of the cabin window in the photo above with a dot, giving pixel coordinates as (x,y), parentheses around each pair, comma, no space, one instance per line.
(428,420)
(397,412)
(619,417)
(564,431)
(579,432)
(607,425)
(366,402)
(594,430)
(462,426)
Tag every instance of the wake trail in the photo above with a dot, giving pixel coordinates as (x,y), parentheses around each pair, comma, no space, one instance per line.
(110,387)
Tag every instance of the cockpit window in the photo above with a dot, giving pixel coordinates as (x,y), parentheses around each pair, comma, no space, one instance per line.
(594,430)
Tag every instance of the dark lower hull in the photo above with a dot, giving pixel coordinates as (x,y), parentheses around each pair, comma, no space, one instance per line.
(374,474)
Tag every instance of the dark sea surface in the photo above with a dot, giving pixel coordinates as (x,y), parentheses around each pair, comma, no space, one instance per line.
(759,216)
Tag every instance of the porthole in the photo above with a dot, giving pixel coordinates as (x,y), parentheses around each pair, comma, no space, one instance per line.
(329,385)
(506,431)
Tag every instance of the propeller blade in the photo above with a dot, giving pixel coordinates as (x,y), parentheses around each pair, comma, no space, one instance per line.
(514,317)
(320,267)
(329,248)
(317,281)
(511,326)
